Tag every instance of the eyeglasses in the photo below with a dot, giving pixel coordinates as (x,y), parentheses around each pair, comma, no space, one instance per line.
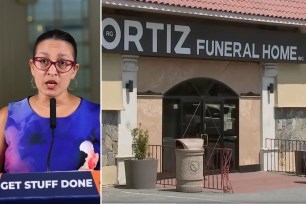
(61,66)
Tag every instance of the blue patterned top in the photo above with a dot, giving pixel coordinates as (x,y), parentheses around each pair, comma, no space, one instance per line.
(28,138)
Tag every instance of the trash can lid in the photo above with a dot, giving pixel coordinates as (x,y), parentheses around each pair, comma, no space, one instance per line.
(190,143)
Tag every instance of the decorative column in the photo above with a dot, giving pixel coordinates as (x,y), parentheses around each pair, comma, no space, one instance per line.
(268,118)
(128,116)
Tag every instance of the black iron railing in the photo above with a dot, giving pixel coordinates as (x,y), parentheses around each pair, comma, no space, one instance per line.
(282,155)
(216,168)
(216,164)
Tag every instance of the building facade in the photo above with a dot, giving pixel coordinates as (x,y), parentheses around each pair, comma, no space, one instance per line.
(184,71)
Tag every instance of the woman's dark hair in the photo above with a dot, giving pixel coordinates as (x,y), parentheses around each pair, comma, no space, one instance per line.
(57,34)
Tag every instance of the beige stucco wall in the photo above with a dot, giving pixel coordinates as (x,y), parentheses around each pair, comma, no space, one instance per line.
(291,85)
(149,114)
(112,82)
(249,130)
(161,74)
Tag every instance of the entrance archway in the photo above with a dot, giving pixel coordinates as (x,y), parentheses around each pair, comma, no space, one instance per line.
(202,106)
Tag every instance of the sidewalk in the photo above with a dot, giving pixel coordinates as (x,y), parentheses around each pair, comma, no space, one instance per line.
(254,187)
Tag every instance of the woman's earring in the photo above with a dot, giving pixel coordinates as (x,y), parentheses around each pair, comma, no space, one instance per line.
(75,85)
(33,83)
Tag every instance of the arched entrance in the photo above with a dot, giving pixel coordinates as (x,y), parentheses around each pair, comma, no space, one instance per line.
(202,106)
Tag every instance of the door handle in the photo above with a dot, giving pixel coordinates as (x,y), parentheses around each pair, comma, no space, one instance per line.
(205,138)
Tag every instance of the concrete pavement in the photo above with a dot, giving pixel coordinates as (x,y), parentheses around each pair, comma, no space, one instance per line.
(255,187)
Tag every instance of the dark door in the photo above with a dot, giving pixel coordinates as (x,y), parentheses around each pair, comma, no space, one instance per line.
(191,118)
(202,106)
(213,122)
(203,116)
(213,117)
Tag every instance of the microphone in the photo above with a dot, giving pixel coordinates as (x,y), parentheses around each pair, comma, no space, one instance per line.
(52,126)
(52,113)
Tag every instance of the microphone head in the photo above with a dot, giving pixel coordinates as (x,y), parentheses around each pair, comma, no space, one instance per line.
(53,113)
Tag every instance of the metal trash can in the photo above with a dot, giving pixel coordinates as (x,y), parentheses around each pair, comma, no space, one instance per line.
(189,165)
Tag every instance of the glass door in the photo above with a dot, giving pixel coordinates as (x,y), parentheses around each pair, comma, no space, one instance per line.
(230,131)
(215,118)
(191,125)
(203,106)
(202,117)
(213,122)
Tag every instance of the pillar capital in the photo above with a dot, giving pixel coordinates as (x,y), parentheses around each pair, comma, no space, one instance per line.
(270,69)
(130,63)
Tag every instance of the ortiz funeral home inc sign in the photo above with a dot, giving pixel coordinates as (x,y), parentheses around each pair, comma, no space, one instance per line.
(129,35)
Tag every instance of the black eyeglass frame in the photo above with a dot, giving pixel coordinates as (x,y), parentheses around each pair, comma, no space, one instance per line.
(72,64)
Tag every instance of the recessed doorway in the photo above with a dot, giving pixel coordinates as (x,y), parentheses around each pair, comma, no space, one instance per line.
(202,106)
